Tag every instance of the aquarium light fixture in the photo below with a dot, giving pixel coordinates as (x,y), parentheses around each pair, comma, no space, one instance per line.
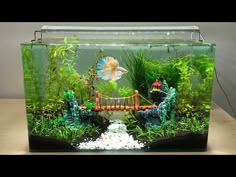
(46,29)
(49,29)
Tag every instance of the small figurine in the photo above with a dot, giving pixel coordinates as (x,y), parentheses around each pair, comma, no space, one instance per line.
(155,92)
(156,86)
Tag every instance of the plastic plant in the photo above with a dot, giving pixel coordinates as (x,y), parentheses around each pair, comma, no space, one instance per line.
(60,121)
(89,105)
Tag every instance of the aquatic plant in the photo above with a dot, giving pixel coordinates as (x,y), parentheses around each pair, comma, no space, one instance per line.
(170,129)
(106,88)
(134,63)
(125,91)
(31,79)
(48,127)
(195,85)
(61,75)
(184,85)
(73,40)
(60,121)
(92,73)
(191,76)
(158,69)
(89,105)
(131,121)
(204,66)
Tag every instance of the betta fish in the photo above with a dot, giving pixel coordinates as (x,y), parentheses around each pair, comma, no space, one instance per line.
(108,69)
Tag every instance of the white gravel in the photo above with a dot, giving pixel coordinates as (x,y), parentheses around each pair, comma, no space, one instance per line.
(116,137)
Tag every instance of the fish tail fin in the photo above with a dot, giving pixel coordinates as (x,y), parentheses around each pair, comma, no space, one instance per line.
(101,63)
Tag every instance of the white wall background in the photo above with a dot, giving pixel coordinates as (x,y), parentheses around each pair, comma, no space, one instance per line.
(222,34)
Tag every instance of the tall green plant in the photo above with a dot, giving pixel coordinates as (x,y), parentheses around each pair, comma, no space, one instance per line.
(204,66)
(60,70)
(162,70)
(184,85)
(134,63)
(92,72)
(31,77)
(191,76)
(61,73)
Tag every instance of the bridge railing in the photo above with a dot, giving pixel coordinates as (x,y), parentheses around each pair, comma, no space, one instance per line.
(104,102)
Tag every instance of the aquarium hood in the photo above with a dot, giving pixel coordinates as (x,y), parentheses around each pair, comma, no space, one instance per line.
(46,29)
(120,32)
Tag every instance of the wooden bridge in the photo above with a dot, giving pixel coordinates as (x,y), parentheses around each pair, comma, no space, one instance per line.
(120,103)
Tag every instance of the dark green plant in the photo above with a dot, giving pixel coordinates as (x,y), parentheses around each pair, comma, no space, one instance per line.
(131,121)
(31,74)
(48,127)
(191,76)
(170,129)
(158,69)
(52,109)
(134,63)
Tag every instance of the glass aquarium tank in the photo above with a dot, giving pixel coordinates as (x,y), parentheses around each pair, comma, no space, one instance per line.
(122,89)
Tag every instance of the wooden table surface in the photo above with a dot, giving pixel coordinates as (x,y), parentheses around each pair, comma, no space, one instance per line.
(14,139)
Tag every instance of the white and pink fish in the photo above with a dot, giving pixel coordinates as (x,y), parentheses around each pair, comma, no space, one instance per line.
(108,69)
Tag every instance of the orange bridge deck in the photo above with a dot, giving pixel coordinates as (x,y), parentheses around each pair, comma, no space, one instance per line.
(122,108)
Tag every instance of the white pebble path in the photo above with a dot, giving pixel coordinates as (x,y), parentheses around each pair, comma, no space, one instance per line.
(116,137)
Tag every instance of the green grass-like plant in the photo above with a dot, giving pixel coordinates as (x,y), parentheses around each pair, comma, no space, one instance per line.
(125,91)
(191,76)
(169,129)
(49,127)
(134,63)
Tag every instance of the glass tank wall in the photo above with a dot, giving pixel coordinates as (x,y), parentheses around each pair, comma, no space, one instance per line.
(118,88)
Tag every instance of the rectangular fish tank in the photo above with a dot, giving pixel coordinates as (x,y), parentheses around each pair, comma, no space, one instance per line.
(118,89)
